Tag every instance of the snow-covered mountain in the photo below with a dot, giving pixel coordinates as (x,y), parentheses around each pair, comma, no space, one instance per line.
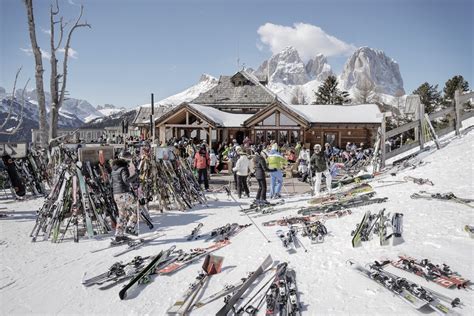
(80,108)
(206,82)
(373,64)
(295,82)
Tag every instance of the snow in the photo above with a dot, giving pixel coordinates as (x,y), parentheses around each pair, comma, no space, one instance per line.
(44,278)
(110,111)
(205,83)
(365,113)
(221,117)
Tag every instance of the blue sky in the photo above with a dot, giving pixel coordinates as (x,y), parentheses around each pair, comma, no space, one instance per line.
(136,47)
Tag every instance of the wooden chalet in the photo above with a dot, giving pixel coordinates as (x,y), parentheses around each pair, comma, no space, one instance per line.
(242,106)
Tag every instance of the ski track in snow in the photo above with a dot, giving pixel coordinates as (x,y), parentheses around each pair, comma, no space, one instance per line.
(45,278)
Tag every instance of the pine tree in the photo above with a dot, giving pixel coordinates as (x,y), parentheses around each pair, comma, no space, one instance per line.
(429,96)
(453,84)
(328,93)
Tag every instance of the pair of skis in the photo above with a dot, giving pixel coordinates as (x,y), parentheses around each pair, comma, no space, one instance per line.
(439,274)
(306,219)
(413,294)
(378,224)
(449,196)
(290,239)
(212,265)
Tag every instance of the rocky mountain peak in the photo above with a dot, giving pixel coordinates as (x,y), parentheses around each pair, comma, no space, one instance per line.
(318,68)
(374,65)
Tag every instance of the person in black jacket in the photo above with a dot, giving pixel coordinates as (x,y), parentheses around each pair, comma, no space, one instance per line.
(260,167)
(122,177)
(319,164)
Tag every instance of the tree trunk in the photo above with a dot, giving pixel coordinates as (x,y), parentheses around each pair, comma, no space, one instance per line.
(53,115)
(38,74)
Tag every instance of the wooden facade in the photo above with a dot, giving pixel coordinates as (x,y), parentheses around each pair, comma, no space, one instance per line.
(275,123)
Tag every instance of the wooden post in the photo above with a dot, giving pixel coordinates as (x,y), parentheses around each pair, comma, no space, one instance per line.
(421,115)
(210,137)
(153,117)
(457,110)
(382,142)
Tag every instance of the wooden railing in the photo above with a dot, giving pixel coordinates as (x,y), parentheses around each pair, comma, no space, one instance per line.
(457,111)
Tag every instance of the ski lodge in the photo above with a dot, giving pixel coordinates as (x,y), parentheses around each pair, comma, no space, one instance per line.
(242,106)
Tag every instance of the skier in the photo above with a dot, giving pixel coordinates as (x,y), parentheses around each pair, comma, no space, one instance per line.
(213,158)
(201,163)
(303,160)
(260,168)
(320,166)
(122,177)
(241,169)
(276,162)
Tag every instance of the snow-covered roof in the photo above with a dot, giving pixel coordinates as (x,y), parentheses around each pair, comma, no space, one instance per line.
(220,117)
(364,113)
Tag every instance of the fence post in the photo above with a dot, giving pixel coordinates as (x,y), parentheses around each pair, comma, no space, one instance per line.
(382,141)
(457,108)
(421,115)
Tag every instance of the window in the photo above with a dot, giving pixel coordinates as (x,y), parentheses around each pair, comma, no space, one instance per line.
(270,121)
(259,137)
(286,121)
(270,136)
(283,137)
(330,138)
(293,137)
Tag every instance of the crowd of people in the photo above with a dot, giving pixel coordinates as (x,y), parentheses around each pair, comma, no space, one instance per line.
(247,160)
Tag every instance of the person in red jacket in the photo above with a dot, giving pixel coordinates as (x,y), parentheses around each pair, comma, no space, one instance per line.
(201,163)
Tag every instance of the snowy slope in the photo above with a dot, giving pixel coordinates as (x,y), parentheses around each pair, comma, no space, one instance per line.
(45,278)
(206,82)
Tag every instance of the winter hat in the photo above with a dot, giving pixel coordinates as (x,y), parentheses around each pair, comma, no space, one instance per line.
(240,151)
(317,146)
(275,146)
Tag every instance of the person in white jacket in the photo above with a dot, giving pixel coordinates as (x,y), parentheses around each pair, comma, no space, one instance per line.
(242,170)
(213,164)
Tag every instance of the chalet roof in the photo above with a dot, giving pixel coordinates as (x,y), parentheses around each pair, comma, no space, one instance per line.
(213,116)
(143,114)
(221,118)
(228,93)
(364,113)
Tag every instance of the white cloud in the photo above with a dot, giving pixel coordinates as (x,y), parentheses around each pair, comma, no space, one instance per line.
(308,39)
(29,52)
(46,31)
(71,52)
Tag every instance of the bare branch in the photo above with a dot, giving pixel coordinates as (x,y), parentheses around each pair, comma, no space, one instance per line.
(66,53)
(11,101)
(20,121)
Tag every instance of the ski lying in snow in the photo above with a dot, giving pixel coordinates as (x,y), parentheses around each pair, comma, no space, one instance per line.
(344,195)
(273,293)
(195,232)
(225,291)
(224,232)
(442,196)
(261,207)
(195,254)
(137,243)
(419,181)
(306,219)
(357,201)
(117,270)
(390,284)
(432,298)
(439,274)
(143,275)
(212,265)
(230,302)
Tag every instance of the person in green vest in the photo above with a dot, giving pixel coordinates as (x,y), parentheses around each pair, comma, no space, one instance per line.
(276,162)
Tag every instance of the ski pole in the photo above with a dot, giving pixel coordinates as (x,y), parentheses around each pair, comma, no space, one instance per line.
(232,197)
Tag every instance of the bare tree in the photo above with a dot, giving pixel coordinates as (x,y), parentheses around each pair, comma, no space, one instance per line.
(57,94)
(38,73)
(19,120)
